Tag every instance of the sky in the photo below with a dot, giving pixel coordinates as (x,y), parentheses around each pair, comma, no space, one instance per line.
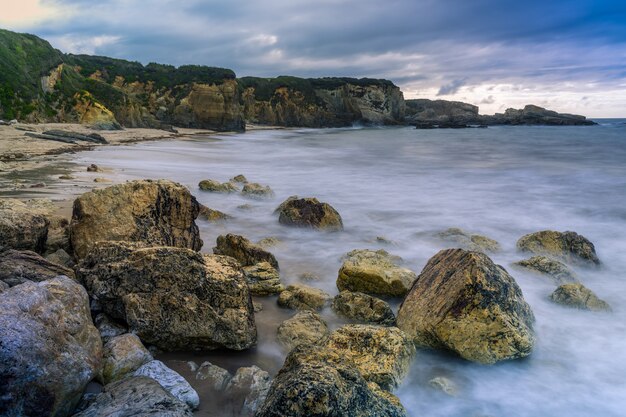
(567,55)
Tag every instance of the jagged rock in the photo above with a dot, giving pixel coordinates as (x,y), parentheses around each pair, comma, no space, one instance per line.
(241,179)
(465,240)
(363,308)
(248,390)
(173,298)
(558,271)
(216,186)
(49,348)
(374,272)
(303,297)
(17,267)
(567,246)
(465,303)
(136,397)
(306,327)
(171,381)
(122,355)
(60,257)
(246,252)
(154,212)
(578,296)
(535,115)
(20,227)
(108,328)
(212,215)
(217,378)
(256,190)
(263,279)
(381,354)
(309,212)
(323,382)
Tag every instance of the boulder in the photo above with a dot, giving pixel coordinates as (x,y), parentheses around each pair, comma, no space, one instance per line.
(212,215)
(569,247)
(578,296)
(248,389)
(20,227)
(171,381)
(60,257)
(303,297)
(558,271)
(322,382)
(310,213)
(17,267)
(217,378)
(122,355)
(49,348)
(374,272)
(108,328)
(136,397)
(154,212)
(216,186)
(305,327)
(468,241)
(363,308)
(381,354)
(465,303)
(263,279)
(256,190)
(173,298)
(246,252)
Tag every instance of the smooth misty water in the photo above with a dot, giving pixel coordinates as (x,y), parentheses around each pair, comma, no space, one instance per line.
(405,184)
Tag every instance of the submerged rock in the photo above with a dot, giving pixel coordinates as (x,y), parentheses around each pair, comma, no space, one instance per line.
(171,381)
(173,298)
(136,397)
(154,212)
(381,354)
(305,327)
(303,297)
(468,241)
(578,296)
(17,267)
(217,378)
(246,252)
(363,308)
(256,190)
(49,348)
(309,212)
(374,272)
(241,179)
(22,228)
(122,355)
(212,215)
(322,382)
(445,385)
(268,242)
(558,271)
(567,246)
(217,187)
(248,389)
(263,279)
(465,303)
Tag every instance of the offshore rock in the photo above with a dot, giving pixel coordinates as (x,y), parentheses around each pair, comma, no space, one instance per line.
(303,297)
(465,303)
(244,251)
(159,213)
(323,382)
(173,298)
(558,271)
(216,186)
(306,327)
(363,308)
(468,241)
(374,272)
(256,190)
(212,215)
(578,296)
(49,348)
(567,246)
(21,227)
(17,267)
(310,213)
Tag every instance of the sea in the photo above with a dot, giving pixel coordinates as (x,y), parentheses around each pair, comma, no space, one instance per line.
(396,188)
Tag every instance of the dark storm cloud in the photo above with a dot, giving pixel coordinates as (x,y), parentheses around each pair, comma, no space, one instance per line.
(451,88)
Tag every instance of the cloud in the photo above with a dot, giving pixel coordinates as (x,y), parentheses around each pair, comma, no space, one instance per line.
(84,45)
(488,100)
(451,88)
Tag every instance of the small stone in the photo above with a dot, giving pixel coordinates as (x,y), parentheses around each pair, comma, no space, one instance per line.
(579,296)
(303,297)
(171,381)
(122,355)
(305,327)
(239,179)
(248,390)
(101,180)
(108,328)
(217,378)
(269,242)
(193,367)
(444,385)
(363,308)
(38,185)
(245,207)
(256,190)
(60,257)
(216,186)
(558,271)
(66,177)
(309,277)
(257,307)
(212,215)
(263,279)
(467,241)
(93,168)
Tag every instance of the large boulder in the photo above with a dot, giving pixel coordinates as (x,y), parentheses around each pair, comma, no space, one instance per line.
(323,382)
(557,271)
(578,296)
(246,252)
(465,303)
(363,308)
(123,355)
(173,298)
(305,327)
(309,212)
(21,227)
(381,354)
(49,348)
(136,396)
(17,267)
(171,380)
(374,272)
(158,213)
(303,297)
(567,246)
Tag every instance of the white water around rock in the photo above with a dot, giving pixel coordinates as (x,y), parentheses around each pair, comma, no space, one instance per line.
(404,185)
